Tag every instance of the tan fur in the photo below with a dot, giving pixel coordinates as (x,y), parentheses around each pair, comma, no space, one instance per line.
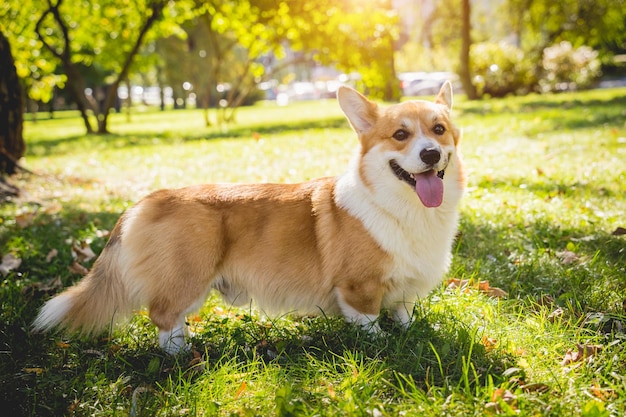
(290,247)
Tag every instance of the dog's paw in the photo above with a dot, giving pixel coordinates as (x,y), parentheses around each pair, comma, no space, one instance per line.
(403,317)
(174,342)
(372,328)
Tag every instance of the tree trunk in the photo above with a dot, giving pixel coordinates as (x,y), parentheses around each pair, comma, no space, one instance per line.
(12,144)
(156,10)
(75,82)
(76,88)
(466,42)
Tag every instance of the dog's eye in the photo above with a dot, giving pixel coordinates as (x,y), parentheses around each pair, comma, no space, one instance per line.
(401,135)
(439,129)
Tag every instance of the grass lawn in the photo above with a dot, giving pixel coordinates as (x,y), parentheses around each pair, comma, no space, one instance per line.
(541,221)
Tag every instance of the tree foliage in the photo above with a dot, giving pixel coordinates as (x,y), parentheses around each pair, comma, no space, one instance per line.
(105,34)
(353,35)
(599,24)
(35,67)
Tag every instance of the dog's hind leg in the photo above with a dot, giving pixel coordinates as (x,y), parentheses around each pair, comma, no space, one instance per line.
(173,341)
(167,310)
(169,317)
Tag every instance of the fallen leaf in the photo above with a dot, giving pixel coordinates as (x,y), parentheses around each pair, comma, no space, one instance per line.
(25,219)
(582,352)
(9,263)
(241,389)
(464,285)
(77,268)
(489,343)
(567,257)
(602,393)
(115,348)
(331,391)
(556,314)
(502,396)
(454,283)
(81,251)
(51,255)
(36,371)
(197,364)
(496,292)
(520,351)
(620,231)
(536,387)
(50,286)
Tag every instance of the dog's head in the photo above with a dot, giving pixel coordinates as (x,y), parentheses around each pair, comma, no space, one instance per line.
(413,141)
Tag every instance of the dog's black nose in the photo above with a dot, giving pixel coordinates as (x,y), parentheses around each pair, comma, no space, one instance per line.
(430,156)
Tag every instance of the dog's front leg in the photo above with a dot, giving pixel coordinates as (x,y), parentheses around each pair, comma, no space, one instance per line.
(174,341)
(403,314)
(361,305)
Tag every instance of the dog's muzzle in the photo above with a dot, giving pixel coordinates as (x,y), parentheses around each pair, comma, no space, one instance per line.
(406,176)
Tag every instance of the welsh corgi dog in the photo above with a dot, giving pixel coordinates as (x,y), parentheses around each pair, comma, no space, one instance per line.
(377,237)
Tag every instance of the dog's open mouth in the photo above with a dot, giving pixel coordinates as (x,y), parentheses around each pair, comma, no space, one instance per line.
(428,184)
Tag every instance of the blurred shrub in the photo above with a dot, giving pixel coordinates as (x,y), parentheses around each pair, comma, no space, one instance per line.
(500,69)
(568,68)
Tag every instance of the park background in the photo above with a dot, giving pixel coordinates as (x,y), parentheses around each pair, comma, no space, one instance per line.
(106,101)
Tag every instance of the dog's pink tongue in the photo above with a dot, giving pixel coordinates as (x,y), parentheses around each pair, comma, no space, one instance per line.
(429,188)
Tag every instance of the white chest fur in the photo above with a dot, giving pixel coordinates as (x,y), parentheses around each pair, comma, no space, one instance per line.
(419,239)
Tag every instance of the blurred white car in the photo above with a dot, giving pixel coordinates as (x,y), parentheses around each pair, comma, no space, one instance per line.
(425,83)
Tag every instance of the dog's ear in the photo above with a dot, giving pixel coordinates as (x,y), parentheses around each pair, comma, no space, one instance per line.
(445,95)
(361,113)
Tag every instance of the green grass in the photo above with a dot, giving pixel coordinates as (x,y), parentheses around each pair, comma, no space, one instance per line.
(547,181)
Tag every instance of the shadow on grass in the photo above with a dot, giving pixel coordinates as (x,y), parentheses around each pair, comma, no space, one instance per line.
(66,145)
(579,268)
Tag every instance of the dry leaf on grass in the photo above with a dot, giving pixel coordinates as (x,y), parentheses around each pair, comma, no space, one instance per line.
(496,292)
(581,353)
(489,343)
(556,314)
(25,219)
(50,286)
(501,396)
(603,394)
(241,390)
(483,286)
(81,251)
(535,387)
(77,268)
(51,255)
(36,371)
(567,257)
(9,263)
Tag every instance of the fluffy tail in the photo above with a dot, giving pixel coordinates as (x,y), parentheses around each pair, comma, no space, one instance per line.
(92,304)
